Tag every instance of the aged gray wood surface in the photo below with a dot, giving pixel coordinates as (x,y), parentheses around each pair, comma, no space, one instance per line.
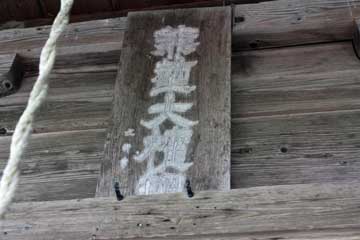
(295,115)
(209,148)
(289,99)
(313,211)
(11,73)
(267,24)
(284,22)
(300,99)
(58,165)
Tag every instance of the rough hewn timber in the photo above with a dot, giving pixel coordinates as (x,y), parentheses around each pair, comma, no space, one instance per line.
(209,142)
(314,211)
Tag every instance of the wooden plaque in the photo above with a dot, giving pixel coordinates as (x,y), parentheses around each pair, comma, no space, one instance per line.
(170,123)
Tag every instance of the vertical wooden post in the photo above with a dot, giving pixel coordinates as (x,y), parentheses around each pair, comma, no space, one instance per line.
(170,129)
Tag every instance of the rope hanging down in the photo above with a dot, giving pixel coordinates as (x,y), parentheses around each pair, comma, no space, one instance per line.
(20,139)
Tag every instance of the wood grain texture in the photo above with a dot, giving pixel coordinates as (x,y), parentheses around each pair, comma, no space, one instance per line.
(295,115)
(306,79)
(314,211)
(60,165)
(294,149)
(267,24)
(284,23)
(79,99)
(29,41)
(308,85)
(209,149)
(300,99)
(11,74)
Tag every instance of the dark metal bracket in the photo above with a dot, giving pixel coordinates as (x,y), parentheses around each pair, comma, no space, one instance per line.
(11,74)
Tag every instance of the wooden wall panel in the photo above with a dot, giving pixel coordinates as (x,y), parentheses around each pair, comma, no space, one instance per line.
(295,115)
(284,22)
(293,212)
(295,92)
(59,165)
(308,110)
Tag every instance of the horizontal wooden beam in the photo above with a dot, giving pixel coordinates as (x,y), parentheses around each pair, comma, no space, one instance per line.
(261,25)
(284,23)
(316,211)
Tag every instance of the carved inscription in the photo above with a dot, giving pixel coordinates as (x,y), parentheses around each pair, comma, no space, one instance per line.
(172,74)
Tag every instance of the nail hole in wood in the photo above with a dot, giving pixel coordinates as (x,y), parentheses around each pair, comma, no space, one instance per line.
(189,191)
(253,45)
(283,150)
(3,131)
(239,19)
(243,150)
(119,196)
(7,85)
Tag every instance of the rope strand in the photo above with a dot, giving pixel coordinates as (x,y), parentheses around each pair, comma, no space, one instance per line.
(20,139)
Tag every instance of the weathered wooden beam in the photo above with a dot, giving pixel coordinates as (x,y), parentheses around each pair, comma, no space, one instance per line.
(173,92)
(284,23)
(308,82)
(261,25)
(86,37)
(314,211)
(11,74)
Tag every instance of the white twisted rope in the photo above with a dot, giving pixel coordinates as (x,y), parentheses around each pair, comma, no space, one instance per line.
(10,177)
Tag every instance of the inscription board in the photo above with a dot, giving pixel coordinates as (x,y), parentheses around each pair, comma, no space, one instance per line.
(171,116)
